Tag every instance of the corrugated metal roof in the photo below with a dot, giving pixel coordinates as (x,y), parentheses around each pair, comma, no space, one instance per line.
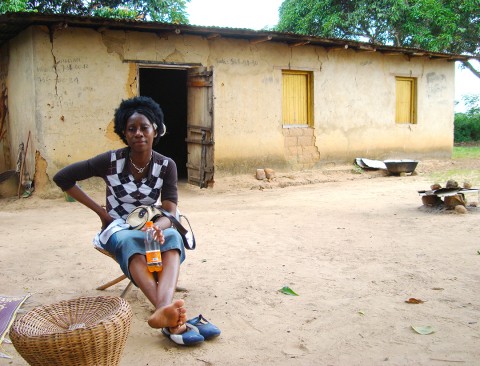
(12,24)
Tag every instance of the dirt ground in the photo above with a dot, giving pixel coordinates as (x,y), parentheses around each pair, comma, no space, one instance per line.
(354,245)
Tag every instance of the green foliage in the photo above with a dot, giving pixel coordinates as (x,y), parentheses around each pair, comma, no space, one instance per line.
(467,125)
(169,11)
(119,13)
(13,6)
(434,25)
(467,129)
(472,102)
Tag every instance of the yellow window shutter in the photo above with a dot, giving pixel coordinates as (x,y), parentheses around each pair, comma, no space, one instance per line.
(405,100)
(296,98)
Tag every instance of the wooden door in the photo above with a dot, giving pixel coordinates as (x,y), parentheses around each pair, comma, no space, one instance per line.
(199,139)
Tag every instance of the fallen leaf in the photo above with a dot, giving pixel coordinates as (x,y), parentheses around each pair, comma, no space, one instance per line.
(288,291)
(361,312)
(412,300)
(423,329)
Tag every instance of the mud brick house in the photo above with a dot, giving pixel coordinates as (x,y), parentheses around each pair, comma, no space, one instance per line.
(234,99)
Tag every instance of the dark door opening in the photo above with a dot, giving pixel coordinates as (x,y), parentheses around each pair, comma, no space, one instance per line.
(168,87)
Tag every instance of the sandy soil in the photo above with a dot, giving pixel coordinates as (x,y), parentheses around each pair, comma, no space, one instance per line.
(354,245)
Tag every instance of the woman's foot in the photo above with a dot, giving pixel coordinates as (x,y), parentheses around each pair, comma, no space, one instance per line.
(178,329)
(172,316)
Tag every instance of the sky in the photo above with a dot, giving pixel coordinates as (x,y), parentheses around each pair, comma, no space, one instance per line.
(253,14)
(258,14)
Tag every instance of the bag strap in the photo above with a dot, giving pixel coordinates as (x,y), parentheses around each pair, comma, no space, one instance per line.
(188,222)
(180,228)
(173,220)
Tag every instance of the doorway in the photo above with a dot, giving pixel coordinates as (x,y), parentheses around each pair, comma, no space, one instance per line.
(168,87)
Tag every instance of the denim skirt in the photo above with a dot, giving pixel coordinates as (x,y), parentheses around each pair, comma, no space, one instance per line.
(125,243)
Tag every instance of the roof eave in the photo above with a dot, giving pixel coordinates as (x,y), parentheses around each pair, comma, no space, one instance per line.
(13,23)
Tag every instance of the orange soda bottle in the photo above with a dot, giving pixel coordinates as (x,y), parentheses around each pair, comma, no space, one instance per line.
(152,249)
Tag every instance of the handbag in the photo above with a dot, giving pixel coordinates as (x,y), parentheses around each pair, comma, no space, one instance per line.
(141,214)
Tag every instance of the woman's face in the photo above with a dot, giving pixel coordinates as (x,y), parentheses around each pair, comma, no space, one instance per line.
(139,132)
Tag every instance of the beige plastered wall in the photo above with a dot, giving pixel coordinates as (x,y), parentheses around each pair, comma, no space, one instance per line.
(65,86)
(21,104)
(355,107)
(65,95)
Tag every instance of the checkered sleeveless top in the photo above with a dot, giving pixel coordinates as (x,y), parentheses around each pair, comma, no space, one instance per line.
(123,193)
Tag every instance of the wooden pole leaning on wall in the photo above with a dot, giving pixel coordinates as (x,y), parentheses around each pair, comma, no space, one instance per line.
(22,166)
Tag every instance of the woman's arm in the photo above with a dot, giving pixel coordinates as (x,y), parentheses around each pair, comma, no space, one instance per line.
(67,177)
(79,195)
(169,194)
(163,222)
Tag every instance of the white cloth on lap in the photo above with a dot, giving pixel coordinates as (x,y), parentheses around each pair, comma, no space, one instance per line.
(102,237)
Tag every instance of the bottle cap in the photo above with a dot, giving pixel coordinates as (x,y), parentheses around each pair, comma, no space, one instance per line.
(149,224)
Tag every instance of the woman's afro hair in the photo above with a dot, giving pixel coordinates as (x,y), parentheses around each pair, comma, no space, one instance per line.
(142,105)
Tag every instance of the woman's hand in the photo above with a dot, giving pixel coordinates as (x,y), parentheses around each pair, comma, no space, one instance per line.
(106,219)
(158,235)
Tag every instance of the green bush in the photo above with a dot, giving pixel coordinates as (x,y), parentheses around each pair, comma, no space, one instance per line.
(467,125)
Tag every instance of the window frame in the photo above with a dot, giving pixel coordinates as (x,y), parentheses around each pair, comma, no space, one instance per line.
(309,98)
(413,92)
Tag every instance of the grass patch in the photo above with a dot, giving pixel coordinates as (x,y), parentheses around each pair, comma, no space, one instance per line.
(466,152)
(460,175)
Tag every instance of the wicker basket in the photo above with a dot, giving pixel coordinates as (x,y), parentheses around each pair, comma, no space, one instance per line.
(83,331)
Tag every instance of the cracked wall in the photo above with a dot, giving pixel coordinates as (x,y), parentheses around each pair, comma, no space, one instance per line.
(76,95)
(65,85)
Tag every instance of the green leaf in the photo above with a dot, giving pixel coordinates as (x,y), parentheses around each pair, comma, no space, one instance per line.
(287,291)
(423,329)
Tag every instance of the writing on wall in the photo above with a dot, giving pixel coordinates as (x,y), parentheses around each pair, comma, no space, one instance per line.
(66,71)
(236,61)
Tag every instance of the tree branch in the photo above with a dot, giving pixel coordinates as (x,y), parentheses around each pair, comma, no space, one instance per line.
(469,66)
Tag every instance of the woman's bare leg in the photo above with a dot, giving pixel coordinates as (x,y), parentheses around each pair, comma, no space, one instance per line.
(167,283)
(168,313)
(143,277)
(168,278)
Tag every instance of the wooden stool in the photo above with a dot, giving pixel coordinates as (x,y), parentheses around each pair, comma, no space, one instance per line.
(116,280)
(123,277)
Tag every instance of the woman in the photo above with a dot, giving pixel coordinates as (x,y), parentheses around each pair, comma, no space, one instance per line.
(137,175)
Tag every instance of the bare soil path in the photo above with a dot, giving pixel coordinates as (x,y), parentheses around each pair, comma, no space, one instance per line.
(354,245)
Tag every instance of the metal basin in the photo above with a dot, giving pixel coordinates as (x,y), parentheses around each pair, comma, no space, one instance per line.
(401,166)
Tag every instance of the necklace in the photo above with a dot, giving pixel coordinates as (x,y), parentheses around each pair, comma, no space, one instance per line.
(140,170)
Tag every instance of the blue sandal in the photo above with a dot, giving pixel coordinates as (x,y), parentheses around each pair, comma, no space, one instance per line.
(204,327)
(189,337)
